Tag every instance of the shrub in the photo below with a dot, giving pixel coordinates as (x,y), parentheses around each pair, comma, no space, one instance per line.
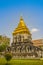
(8,56)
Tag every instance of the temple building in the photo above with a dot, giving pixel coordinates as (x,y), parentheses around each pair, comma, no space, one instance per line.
(22,45)
(38,42)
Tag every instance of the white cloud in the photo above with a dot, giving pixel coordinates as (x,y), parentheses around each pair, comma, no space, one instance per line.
(34,30)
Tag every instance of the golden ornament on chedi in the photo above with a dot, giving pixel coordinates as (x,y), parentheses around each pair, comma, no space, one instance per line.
(21,28)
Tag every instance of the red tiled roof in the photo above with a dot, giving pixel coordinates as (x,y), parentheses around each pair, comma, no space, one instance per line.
(38,42)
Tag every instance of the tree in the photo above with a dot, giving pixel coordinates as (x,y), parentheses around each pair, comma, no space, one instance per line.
(4,43)
(3,47)
(8,57)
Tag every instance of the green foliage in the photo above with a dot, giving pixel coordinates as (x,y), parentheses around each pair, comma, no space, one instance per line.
(4,42)
(8,56)
(2,47)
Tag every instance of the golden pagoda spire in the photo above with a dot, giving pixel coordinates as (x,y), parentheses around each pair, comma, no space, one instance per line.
(21,28)
(21,23)
(21,18)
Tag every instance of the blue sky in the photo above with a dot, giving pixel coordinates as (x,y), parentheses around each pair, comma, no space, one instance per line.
(31,10)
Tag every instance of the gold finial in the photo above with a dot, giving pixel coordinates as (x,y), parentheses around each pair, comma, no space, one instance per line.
(21,18)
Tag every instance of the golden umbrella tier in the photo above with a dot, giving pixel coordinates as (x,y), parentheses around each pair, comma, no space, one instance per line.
(21,28)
